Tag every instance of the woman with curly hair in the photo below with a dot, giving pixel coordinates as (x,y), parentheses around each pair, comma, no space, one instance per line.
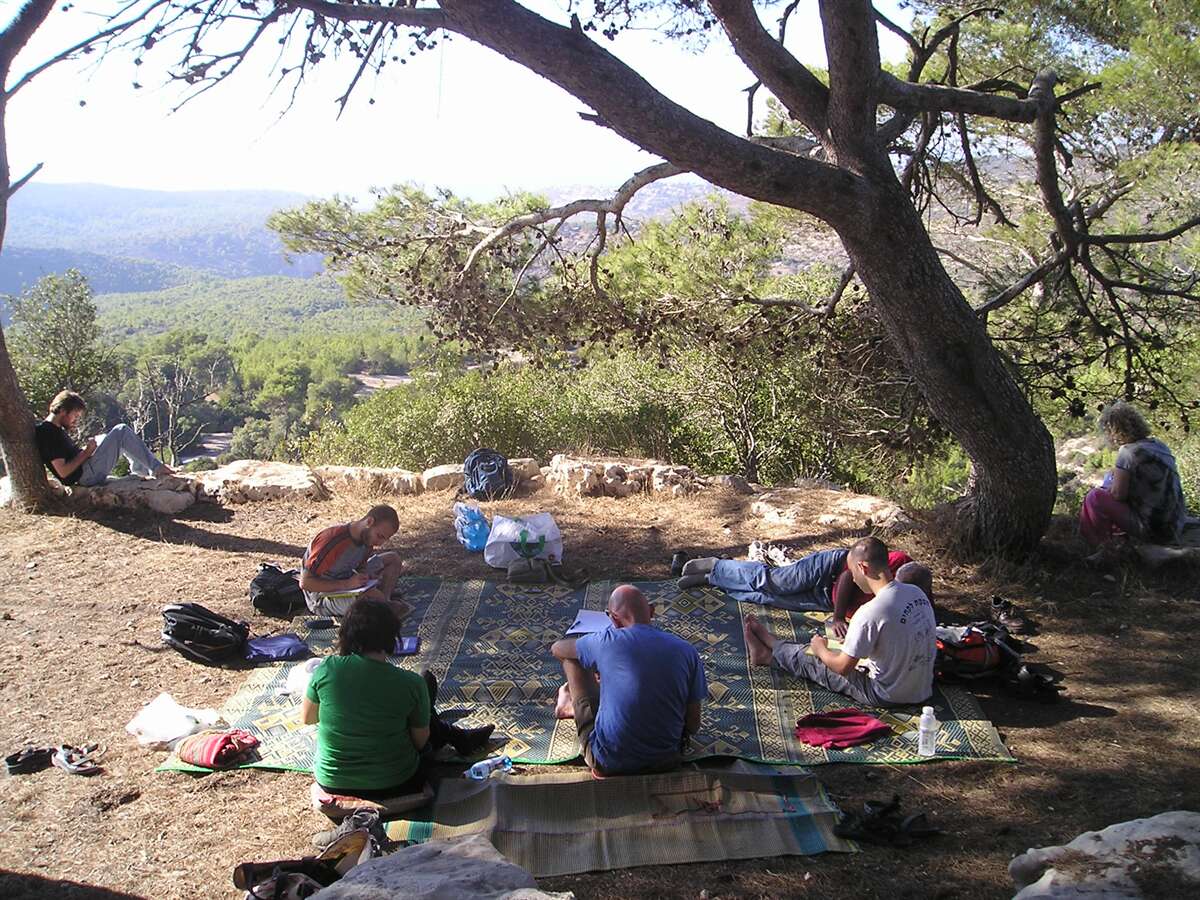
(376,722)
(1142,496)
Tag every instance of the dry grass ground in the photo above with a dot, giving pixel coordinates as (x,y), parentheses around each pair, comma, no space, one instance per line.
(79,654)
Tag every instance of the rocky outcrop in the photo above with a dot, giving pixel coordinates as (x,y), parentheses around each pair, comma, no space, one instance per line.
(250,480)
(1076,474)
(792,505)
(443,478)
(167,496)
(1154,857)
(370,480)
(467,868)
(576,476)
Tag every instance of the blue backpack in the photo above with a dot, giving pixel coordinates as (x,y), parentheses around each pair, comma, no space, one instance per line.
(486,475)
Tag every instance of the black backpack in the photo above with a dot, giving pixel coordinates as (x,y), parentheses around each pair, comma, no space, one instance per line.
(201,634)
(274,592)
(486,474)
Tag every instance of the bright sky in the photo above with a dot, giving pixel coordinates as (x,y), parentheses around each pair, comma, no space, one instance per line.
(458,116)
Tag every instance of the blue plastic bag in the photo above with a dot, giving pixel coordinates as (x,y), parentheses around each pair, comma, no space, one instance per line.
(471,526)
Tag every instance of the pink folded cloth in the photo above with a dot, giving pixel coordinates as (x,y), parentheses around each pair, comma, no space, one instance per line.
(840,728)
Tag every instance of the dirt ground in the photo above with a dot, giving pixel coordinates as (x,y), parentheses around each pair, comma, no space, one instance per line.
(79,655)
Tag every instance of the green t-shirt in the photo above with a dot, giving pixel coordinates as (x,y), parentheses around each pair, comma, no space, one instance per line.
(367,707)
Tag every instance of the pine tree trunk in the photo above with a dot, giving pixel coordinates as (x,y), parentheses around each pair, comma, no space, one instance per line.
(966,382)
(27,477)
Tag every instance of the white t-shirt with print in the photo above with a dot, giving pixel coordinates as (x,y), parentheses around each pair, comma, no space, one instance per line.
(896,634)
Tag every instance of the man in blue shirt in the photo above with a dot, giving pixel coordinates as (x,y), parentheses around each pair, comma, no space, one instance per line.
(653,684)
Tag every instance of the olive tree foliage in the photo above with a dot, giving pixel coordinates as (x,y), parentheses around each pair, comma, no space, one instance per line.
(55,341)
(870,141)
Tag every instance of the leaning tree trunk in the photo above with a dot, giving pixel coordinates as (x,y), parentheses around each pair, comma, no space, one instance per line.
(965,381)
(27,477)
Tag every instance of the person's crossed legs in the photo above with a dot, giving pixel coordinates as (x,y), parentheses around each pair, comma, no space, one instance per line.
(765,649)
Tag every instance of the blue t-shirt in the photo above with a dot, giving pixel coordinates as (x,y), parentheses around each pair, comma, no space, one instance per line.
(647,679)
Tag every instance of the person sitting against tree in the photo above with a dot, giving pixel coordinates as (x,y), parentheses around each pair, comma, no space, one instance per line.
(376,723)
(819,581)
(339,561)
(894,633)
(653,685)
(91,464)
(1142,497)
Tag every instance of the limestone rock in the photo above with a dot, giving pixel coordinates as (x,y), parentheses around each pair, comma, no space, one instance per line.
(574,477)
(524,468)
(467,868)
(788,506)
(672,481)
(735,483)
(443,478)
(1074,453)
(250,480)
(370,480)
(1158,856)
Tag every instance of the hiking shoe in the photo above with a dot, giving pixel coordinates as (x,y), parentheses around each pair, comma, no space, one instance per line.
(367,819)
(1004,613)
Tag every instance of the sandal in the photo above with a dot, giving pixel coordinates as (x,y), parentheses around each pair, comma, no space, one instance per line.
(78,760)
(28,760)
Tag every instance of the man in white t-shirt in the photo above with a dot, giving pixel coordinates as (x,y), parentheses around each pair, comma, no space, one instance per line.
(892,634)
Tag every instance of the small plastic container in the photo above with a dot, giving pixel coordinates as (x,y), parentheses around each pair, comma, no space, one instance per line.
(484,768)
(927,733)
(471,526)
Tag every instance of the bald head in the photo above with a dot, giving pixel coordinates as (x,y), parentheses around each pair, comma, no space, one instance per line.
(628,606)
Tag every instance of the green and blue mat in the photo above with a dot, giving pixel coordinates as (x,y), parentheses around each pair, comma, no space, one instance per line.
(488,644)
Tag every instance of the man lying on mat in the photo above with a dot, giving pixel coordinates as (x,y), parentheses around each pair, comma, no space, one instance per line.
(894,633)
(338,563)
(653,684)
(820,581)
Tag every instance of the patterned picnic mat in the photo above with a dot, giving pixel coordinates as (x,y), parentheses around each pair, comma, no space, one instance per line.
(488,644)
(563,822)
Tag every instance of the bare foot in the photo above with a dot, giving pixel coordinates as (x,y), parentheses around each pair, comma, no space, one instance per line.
(759,642)
(564,708)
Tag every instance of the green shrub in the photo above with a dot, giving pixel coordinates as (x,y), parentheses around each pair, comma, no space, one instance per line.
(200,464)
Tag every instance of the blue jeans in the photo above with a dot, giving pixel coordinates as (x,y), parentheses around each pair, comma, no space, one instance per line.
(805,584)
(121,441)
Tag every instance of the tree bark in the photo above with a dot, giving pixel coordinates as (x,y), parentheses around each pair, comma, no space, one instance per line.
(963,378)
(27,477)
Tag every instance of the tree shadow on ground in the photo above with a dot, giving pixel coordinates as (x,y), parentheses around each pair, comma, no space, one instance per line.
(185,530)
(20,886)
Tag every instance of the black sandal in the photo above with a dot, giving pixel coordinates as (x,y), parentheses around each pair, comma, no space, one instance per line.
(28,760)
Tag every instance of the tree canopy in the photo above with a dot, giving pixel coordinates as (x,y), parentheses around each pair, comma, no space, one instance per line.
(873,152)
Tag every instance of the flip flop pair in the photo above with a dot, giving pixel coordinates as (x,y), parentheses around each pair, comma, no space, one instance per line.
(881,823)
(78,760)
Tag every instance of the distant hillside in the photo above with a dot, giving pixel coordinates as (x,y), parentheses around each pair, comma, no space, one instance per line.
(20,267)
(265,305)
(221,232)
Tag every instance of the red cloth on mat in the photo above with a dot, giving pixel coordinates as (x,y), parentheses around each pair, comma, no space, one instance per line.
(214,749)
(840,728)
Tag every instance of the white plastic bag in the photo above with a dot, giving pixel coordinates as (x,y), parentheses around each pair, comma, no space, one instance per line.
(162,722)
(529,537)
(299,677)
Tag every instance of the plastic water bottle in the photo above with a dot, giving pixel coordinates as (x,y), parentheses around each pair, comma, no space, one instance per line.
(927,733)
(484,768)
(471,526)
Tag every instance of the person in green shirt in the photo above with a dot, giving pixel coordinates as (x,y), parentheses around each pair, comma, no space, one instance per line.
(375,722)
